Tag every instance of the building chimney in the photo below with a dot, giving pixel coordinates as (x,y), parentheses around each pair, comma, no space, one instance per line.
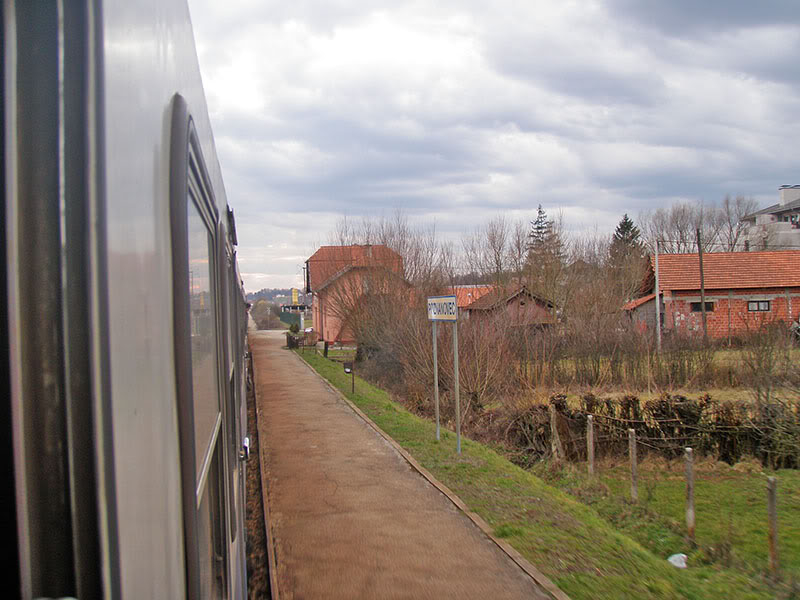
(789,193)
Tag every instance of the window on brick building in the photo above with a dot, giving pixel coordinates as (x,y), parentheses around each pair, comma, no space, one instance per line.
(698,306)
(758,306)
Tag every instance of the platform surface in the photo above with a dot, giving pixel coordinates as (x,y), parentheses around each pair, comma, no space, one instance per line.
(349,517)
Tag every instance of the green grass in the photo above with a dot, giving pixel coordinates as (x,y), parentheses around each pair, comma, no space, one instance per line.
(342,353)
(580,550)
(730,509)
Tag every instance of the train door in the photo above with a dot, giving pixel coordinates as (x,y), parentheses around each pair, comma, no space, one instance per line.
(198,356)
(233,443)
(59,533)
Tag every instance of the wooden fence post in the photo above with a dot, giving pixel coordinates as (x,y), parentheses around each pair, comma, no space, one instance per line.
(555,440)
(634,471)
(690,494)
(590,443)
(772,511)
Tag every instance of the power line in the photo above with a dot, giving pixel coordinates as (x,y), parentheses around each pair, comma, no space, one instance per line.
(692,243)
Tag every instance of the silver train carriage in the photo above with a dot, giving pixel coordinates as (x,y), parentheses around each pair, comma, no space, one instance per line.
(123,401)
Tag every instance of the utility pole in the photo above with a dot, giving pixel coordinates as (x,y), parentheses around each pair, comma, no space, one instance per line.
(702,289)
(658,306)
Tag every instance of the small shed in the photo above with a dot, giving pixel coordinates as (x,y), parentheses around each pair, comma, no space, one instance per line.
(519,304)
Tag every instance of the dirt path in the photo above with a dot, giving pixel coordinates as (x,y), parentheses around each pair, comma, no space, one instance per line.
(349,517)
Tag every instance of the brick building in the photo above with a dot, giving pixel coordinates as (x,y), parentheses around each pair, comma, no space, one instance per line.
(340,276)
(742,291)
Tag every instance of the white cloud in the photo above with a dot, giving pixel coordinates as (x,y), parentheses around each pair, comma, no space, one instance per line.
(458,110)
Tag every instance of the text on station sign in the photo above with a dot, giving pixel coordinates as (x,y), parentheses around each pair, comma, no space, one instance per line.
(442,308)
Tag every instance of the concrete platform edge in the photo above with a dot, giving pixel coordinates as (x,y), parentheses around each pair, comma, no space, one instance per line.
(540,578)
(272,563)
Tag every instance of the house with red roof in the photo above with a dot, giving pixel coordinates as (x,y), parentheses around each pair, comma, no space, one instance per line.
(742,291)
(340,276)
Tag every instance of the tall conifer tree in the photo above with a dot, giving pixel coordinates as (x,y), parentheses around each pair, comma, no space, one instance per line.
(540,229)
(626,243)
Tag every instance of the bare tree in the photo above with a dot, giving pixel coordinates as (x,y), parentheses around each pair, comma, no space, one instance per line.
(497,238)
(733,227)
(418,246)
(343,233)
(486,251)
(675,227)
(517,248)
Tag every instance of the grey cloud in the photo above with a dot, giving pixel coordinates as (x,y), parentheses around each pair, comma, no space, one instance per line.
(690,18)
(628,108)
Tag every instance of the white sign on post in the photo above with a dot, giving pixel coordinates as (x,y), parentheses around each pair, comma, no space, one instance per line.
(442,308)
(445,308)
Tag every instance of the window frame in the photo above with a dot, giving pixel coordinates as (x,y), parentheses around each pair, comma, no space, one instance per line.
(187,164)
(759,306)
(696,307)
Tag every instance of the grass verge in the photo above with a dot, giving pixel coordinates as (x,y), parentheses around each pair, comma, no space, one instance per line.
(730,508)
(571,543)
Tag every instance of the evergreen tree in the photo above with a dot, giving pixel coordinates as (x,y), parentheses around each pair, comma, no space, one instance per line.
(546,258)
(541,228)
(626,260)
(626,242)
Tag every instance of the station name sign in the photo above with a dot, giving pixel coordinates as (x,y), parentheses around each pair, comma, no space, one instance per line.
(442,308)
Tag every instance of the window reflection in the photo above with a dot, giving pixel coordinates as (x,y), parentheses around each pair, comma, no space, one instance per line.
(204,336)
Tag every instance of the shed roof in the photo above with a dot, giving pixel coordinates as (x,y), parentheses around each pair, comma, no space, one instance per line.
(729,270)
(499,296)
(638,302)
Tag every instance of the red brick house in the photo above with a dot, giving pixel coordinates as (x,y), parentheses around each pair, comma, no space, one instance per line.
(742,291)
(338,276)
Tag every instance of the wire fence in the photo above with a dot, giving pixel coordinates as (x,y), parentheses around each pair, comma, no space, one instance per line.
(725,431)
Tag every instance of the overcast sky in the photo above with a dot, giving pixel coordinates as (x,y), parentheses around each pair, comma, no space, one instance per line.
(457,110)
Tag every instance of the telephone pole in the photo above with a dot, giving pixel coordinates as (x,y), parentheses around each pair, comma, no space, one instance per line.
(702,289)
(658,306)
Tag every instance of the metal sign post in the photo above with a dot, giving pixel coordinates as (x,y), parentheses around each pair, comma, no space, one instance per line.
(445,308)
(455,370)
(436,379)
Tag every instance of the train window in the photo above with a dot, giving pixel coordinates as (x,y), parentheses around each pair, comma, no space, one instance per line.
(205,391)
(209,535)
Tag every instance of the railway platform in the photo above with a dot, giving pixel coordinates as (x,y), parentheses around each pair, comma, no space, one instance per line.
(348,515)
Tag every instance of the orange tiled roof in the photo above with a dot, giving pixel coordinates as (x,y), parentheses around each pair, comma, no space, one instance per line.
(729,270)
(326,262)
(467,294)
(639,301)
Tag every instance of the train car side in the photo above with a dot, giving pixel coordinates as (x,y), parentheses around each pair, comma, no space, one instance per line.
(125,323)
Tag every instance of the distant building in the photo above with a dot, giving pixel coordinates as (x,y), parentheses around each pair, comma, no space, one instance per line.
(517,304)
(467,294)
(742,291)
(778,226)
(294,308)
